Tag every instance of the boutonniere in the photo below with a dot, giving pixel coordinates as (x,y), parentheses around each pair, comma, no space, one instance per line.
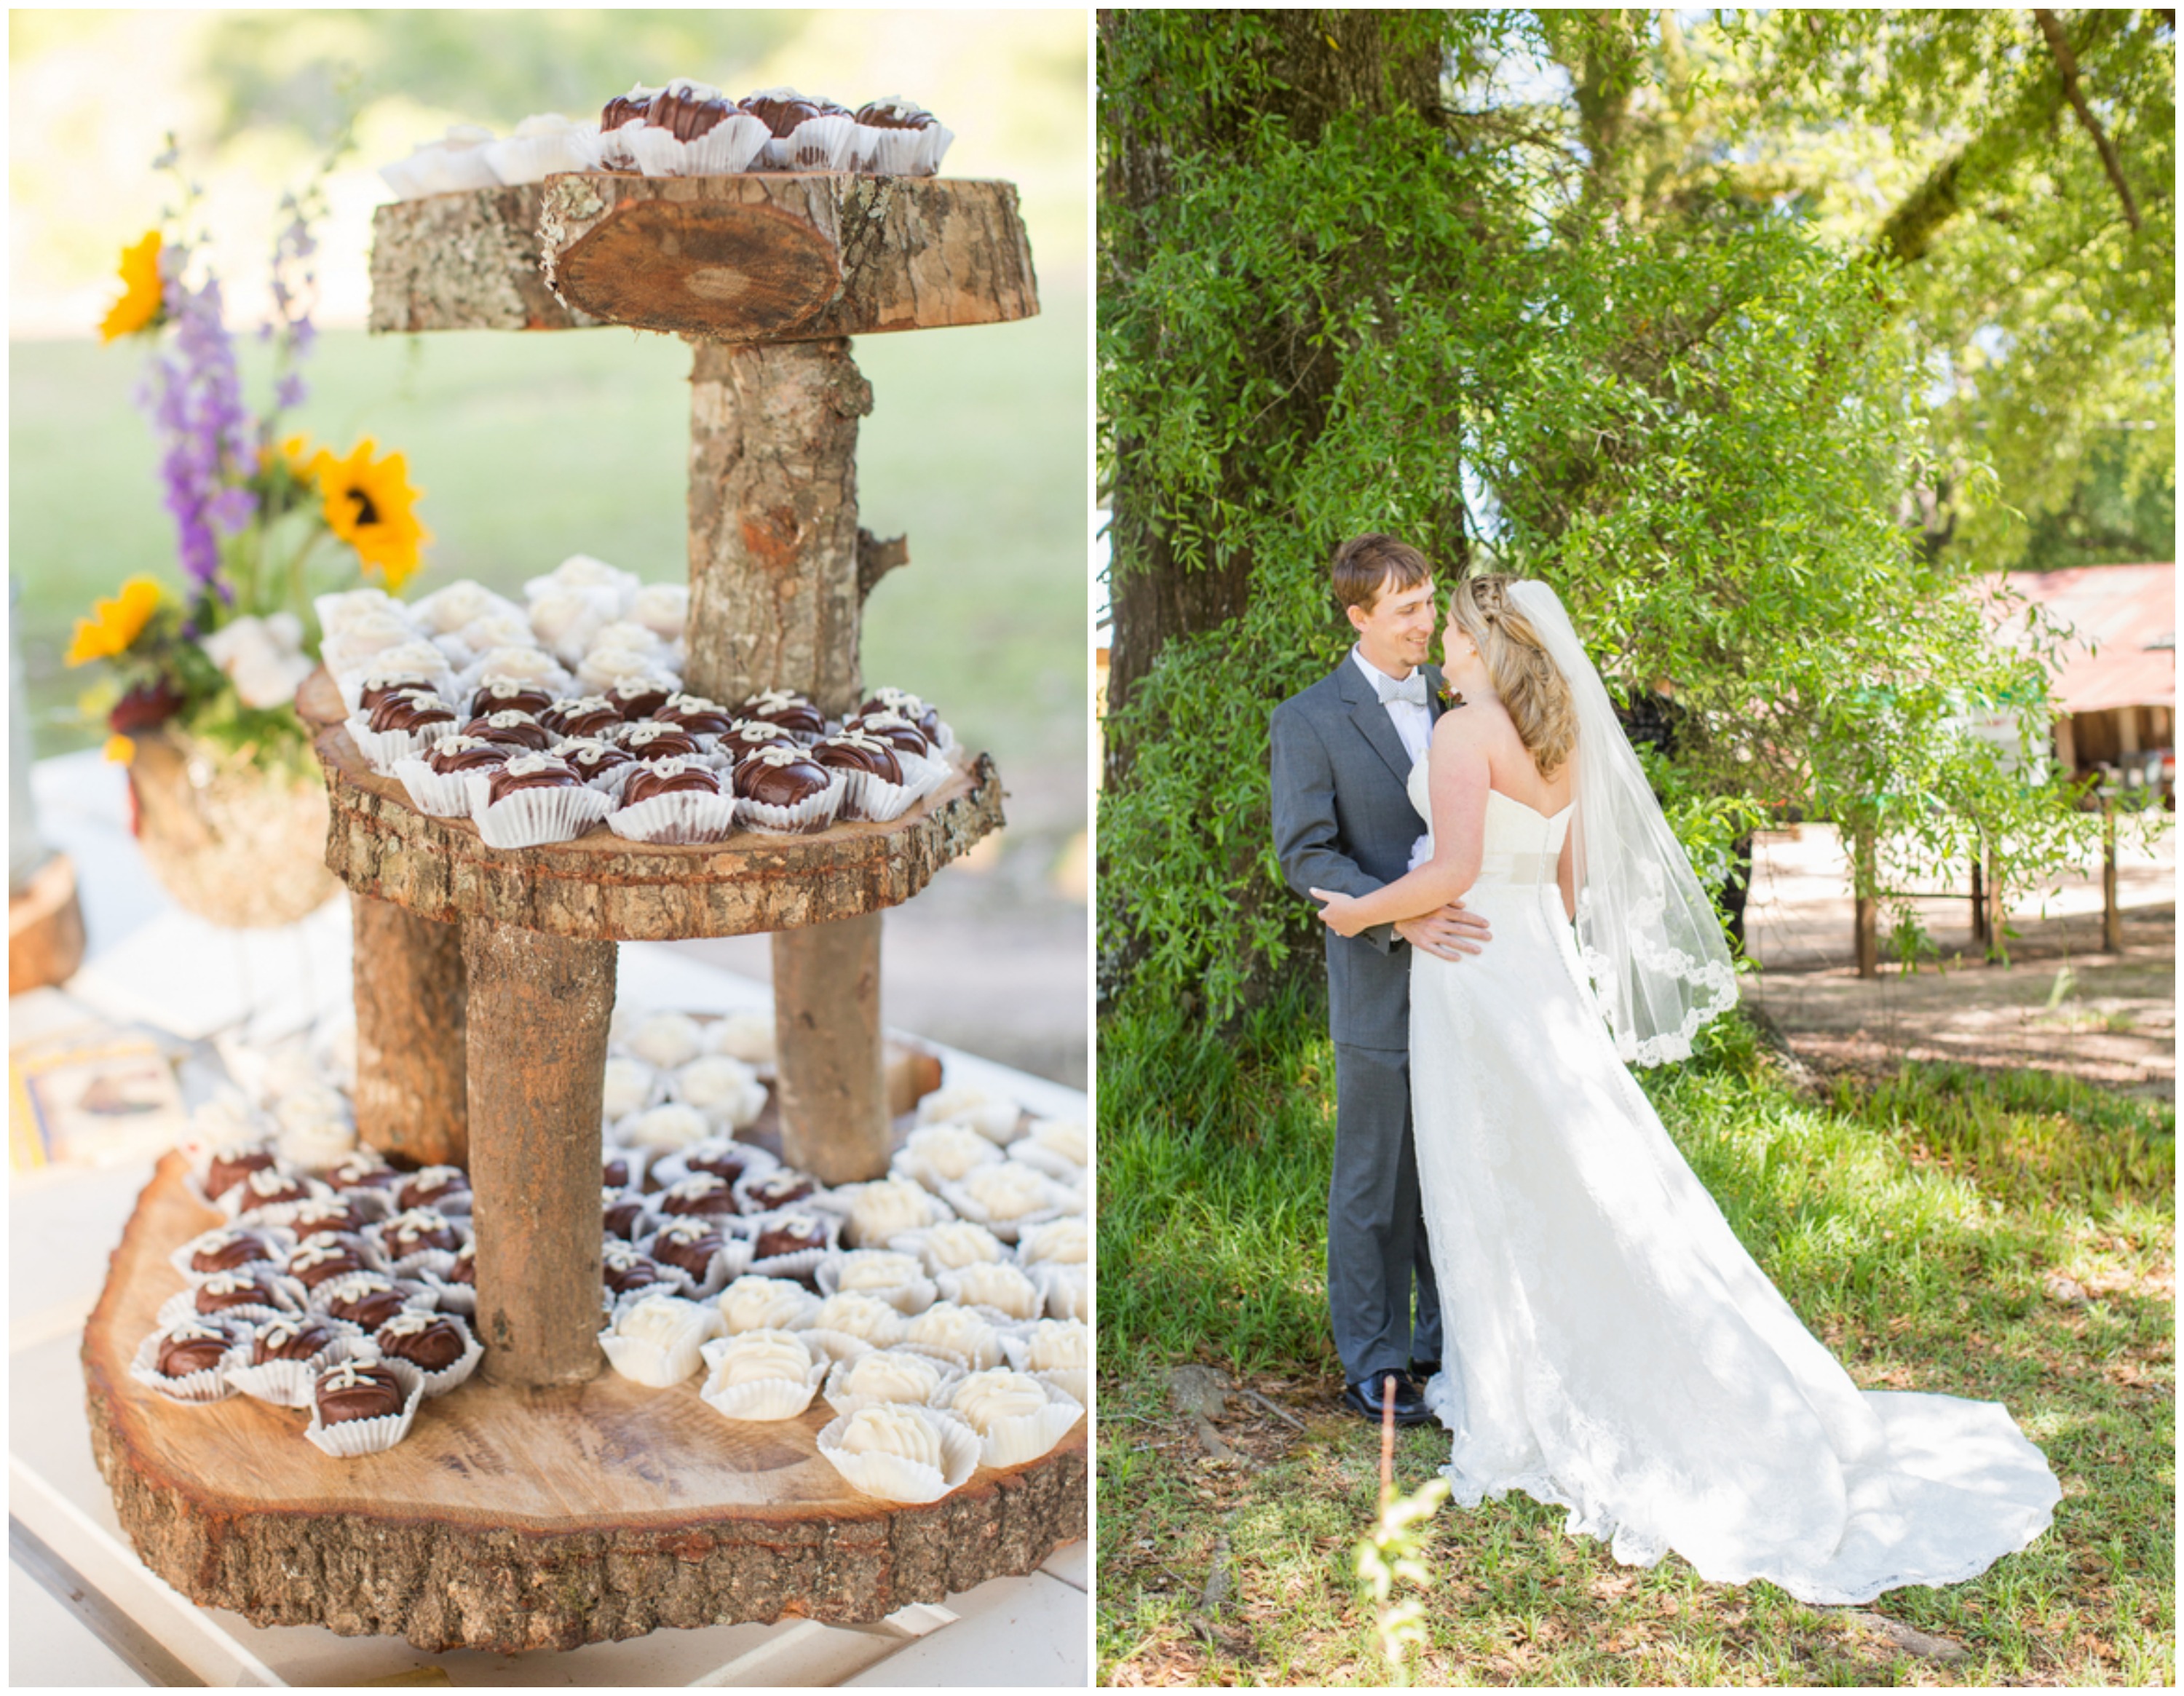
(1449,698)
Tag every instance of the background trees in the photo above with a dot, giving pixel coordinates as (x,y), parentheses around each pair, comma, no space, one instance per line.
(1735,332)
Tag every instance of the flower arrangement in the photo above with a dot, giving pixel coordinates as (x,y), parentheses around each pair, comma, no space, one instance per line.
(221,660)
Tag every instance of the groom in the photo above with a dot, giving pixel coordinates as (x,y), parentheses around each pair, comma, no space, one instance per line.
(1342,753)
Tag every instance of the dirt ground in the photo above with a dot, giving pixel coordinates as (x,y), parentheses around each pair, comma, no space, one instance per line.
(2063,1005)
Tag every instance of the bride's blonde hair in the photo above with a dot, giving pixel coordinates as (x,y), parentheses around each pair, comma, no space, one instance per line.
(1531,687)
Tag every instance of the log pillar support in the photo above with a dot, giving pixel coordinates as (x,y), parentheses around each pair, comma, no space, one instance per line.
(409,1035)
(2111,900)
(538,1010)
(831,1068)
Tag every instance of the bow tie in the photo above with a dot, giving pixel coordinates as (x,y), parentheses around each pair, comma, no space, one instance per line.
(1412,688)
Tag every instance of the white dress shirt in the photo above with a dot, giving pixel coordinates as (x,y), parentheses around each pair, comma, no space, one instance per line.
(1412,719)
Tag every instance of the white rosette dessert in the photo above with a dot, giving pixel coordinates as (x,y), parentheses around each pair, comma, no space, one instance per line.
(667,1039)
(955,1332)
(315,1137)
(456,161)
(288,1383)
(901,1453)
(1068,1291)
(847,1326)
(520,663)
(1007,1198)
(441,794)
(504,625)
(347,1439)
(207,1384)
(680,819)
(630,1085)
(884,1209)
(661,1130)
(527,818)
(944,1247)
(804,1225)
(270,1253)
(338,611)
(938,1155)
(992,1116)
(1058,1352)
(360,632)
(753,1302)
(663,608)
(723,1089)
(888,1376)
(437,1380)
(746,1036)
(813,814)
(1054,1147)
(631,635)
(564,619)
(655,1339)
(1064,1241)
(1004,1291)
(727,1262)
(895,1278)
(1017,1417)
(603,668)
(582,571)
(761,1375)
(542,145)
(446,611)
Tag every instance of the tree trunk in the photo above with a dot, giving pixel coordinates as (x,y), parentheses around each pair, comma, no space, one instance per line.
(411,1018)
(834,1119)
(1866,901)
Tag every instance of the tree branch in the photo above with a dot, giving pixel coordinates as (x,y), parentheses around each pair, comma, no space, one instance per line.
(2067,64)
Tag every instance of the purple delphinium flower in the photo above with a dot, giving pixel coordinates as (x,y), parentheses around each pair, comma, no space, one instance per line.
(197,403)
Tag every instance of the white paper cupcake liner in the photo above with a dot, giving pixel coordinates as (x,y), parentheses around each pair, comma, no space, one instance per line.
(288,1383)
(679,819)
(989,1350)
(614,153)
(442,794)
(197,1389)
(532,817)
(993,1117)
(1068,1291)
(870,796)
(839,1399)
(838,1345)
(353,1438)
(728,147)
(659,1366)
(807,818)
(287,1304)
(1074,1382)
(952,1289)
(817,144)
(920,1243)
(450,1297)
(383,749)
(439,1382)
(533,158)
(764,1400)
(894,1479)
(909,1299)
(909,1163)
(967,1206)
(1013,1442)
(440,679)
(1045,1162)
(886,153)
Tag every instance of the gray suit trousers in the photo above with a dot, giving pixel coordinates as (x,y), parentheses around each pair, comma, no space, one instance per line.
(1376,1239)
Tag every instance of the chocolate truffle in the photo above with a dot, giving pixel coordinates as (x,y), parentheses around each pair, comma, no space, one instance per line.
(266,1188)
(628,108)
(686,110)
(380,684)
(728,1164)
(688,1243)
(786,708)
(778,1189)
(324,1259)
(920,713)
(581,716)
(426,1340)
(353,1392)
(780,777)
(365,1170)
(367,1299)
(411,709)
(639,697)
(225,1290)
(226,1250)
(414,1231)
(288,1339)
(231,1166)
(793,1233)
(893,114)
(510,695)
(855,751)
(530,771)
(592,758)
(652,740)
(694,714)
(623,1268)
(328,1213)
(465,1270)
(429,1185)
(460,753)
(781,110)
(748,736)
(191,1347)
(512,729)
(702,1192)
(897,731)
(614,1172)
(623,1215)
(670,777)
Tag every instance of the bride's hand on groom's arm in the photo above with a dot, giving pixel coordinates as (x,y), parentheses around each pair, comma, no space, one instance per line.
(1449,934)
(1341,914)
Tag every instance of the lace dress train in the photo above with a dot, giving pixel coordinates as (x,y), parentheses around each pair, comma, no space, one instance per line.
(1611,1346)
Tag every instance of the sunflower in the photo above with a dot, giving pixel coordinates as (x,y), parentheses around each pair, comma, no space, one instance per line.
(369,507)
(115,625)
(143,296)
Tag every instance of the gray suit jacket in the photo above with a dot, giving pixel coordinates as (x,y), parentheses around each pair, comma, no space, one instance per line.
(1342,821)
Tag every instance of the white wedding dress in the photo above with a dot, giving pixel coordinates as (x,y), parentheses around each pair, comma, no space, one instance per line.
(1611,1346)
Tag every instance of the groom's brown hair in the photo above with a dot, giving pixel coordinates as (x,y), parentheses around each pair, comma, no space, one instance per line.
(1366,567)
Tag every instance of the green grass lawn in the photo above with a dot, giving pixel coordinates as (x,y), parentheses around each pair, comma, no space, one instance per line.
(533,447)
(1921,1227)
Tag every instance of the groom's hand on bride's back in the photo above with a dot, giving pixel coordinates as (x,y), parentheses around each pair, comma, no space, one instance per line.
(1449,934)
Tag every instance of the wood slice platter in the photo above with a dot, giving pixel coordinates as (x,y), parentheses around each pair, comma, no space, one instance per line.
(513,1519)
(600,887)
(766,256)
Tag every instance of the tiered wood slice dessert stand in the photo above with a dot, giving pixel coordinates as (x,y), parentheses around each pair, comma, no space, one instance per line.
(544,1504)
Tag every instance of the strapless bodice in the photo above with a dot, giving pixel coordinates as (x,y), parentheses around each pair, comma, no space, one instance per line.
(1524,845)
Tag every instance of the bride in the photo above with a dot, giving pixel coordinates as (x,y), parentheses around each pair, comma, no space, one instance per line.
(1613,1347)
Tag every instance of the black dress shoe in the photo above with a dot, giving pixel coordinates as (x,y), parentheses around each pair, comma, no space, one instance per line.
(1364,1400)
(1422,1372)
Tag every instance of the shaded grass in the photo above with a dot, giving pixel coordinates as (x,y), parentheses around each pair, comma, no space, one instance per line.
(1916,1225)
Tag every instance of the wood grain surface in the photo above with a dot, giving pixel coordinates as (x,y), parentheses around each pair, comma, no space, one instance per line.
(410,1023)
(602,887)
(516,1519)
